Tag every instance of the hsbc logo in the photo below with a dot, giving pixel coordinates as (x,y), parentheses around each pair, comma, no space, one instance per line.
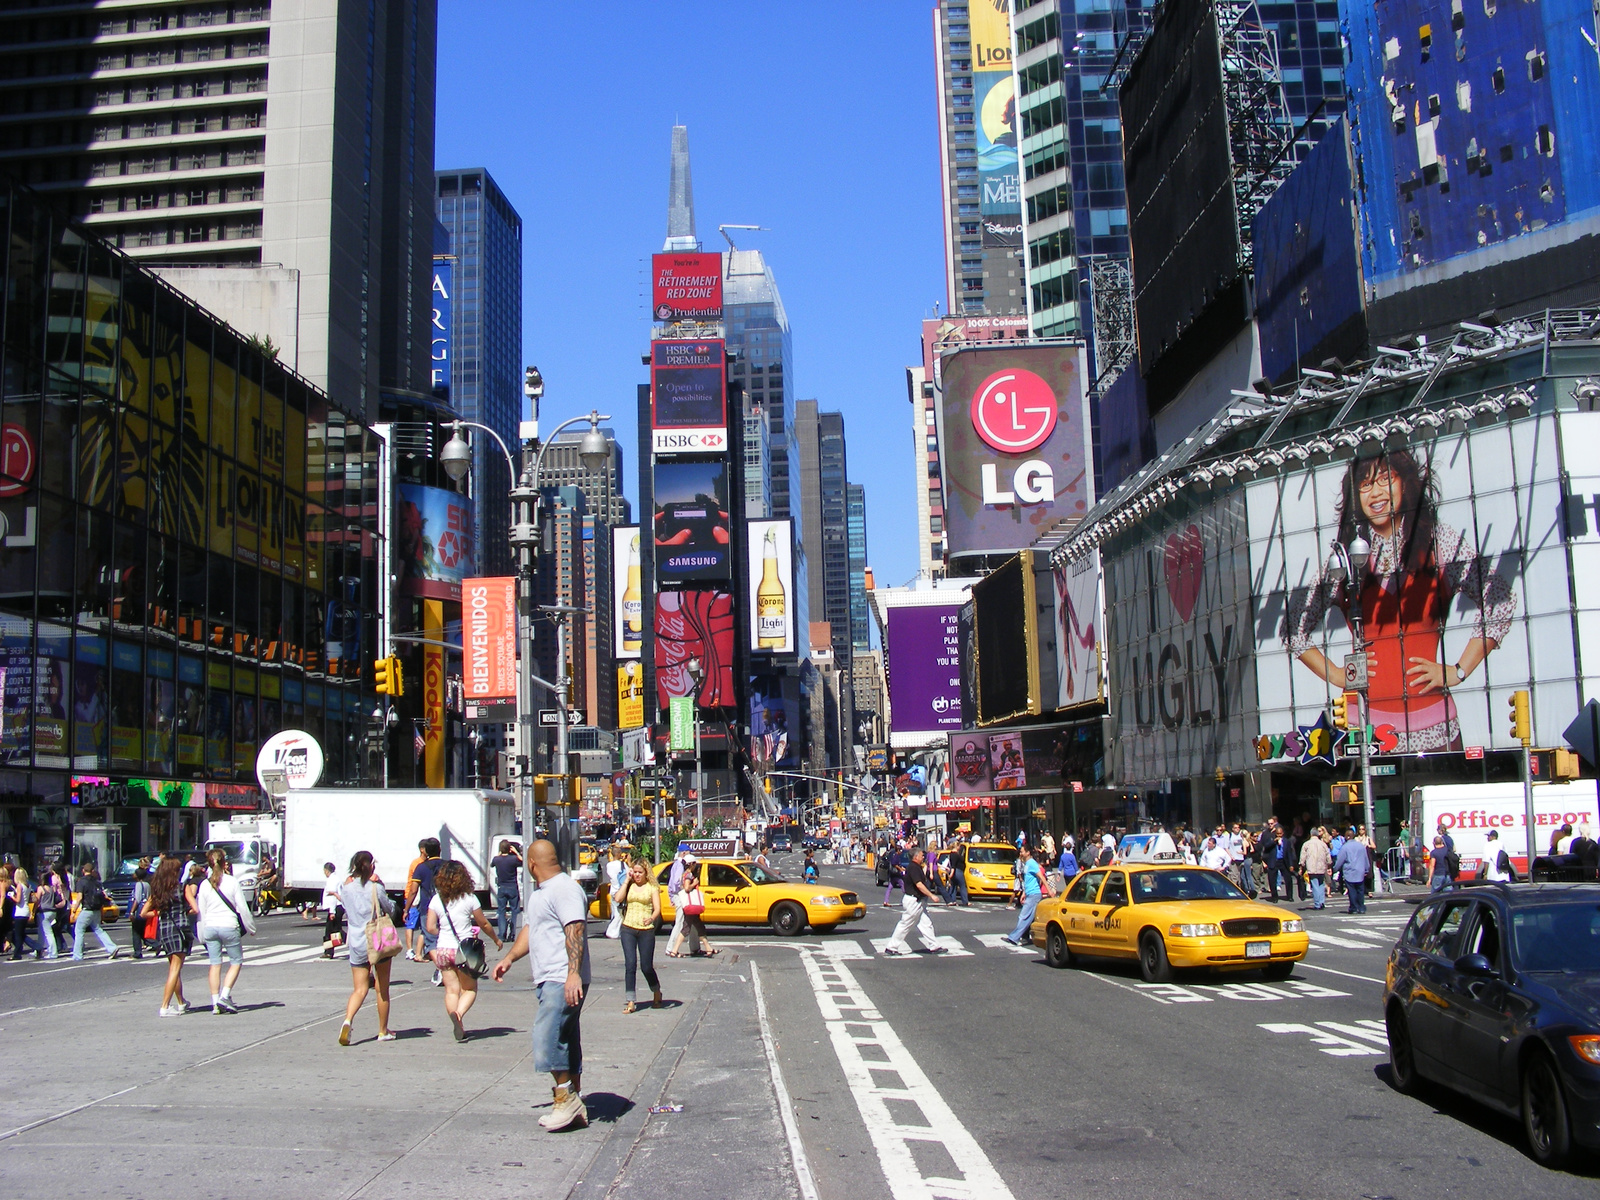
(690,441)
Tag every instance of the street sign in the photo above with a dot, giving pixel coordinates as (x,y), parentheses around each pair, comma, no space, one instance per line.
(680,709)
(1077,785)
(550,718)
(1474,753)
(653,781)
(1583,735)
(1383,768)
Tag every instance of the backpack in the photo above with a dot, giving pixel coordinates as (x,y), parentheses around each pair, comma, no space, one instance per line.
(1503,861)
(91,896)
(1452,863)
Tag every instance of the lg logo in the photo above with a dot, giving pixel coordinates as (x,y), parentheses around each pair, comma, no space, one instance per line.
(1014,411)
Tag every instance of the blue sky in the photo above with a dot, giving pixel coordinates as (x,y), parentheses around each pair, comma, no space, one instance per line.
(817,120)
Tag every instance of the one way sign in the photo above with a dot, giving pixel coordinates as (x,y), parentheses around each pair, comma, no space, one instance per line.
(549,718)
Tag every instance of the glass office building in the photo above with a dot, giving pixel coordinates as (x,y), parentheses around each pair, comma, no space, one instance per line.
(189,553)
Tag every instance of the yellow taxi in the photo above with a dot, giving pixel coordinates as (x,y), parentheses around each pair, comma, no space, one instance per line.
(739,892)
(1167,915)
(588,852)
(991,870)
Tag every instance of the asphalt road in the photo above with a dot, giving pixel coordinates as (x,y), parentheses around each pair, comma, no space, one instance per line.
(1088,1081)
(980,1073)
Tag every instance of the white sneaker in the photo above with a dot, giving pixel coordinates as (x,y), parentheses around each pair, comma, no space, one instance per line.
(169,1011)
(438,979)
(411,956)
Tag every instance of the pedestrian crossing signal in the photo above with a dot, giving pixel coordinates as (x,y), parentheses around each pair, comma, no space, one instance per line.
(1346,792)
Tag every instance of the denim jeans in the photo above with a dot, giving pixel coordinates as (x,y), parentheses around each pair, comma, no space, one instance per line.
(958,888)
(1357,891)
(89,922)
(557,1034)
(1440,883)
(1319,891)
(1030,905)
(638,951)
(47,931)
(508,906)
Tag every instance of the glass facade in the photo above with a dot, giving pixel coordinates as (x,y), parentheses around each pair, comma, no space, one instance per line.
(486,341)
(189,539)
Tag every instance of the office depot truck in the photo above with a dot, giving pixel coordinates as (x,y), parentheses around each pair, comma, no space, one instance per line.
(323,825)
(1468,811)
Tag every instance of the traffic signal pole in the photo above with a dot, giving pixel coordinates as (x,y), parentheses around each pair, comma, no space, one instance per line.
(1522,730)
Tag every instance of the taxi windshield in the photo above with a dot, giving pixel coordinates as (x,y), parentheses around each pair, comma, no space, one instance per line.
(1000,856)
(760,874)
(1149,887)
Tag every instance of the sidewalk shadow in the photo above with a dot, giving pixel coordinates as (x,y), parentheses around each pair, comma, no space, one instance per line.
(406,1034)
(606,1107)
(244,1008)
(492,1031)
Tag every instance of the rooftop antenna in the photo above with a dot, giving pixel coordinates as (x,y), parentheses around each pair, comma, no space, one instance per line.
(723,230)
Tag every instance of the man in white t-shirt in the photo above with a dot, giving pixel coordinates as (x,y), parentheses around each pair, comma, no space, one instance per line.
(555,933)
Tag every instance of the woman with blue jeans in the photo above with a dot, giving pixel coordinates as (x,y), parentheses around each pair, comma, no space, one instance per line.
(224,919)
(1030,881)
(92,902)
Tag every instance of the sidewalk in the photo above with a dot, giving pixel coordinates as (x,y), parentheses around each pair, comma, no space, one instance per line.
(266,1104)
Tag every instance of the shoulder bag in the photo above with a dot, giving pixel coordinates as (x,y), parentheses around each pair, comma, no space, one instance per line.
(470,955)
(694,903)
(383,940)
(243,928)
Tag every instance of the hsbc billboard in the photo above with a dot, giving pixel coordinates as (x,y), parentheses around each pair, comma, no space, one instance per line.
(688,397)
(1014,430)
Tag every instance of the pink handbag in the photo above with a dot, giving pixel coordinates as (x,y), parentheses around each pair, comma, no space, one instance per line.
(383,939)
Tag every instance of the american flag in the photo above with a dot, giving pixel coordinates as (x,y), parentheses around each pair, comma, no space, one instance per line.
(420,742)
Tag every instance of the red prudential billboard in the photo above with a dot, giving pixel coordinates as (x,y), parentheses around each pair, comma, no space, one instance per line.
(686,287)
(489,632)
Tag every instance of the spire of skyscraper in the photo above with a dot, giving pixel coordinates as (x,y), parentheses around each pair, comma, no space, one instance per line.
(680,196)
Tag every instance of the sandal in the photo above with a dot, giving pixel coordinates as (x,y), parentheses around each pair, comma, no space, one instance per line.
(628,1006)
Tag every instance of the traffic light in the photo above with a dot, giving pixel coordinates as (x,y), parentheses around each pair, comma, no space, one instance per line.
(1521,722)
(672,808)
(1566,764)
(389,678)
(646,803)
(1341,711)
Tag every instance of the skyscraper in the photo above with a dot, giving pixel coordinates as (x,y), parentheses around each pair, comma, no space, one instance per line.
(833,476)
(273,161)
(561,579)
(762,353)
(1069,61)
(856,525)
(807,430)
(978,158)
(485,335)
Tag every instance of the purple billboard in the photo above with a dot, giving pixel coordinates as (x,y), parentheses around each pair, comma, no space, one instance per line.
(925,669)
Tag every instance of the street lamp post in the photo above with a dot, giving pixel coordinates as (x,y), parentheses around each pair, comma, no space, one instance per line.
(456,458)
(1345,564)
(696,673)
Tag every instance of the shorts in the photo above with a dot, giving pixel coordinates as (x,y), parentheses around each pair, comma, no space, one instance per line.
(447,958)
(557,1042)
(413,917)
(222,943)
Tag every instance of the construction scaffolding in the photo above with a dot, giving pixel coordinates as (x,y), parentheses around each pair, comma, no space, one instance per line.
(1261,134)
(1111,301)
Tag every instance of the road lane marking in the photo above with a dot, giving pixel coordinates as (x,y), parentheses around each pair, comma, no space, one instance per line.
(1331,1037)
(1346,974)
(791,1130)
(997,941)
(1327,939)
(844,1006)
(843,948)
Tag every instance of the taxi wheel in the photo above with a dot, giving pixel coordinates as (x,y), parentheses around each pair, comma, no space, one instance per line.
(1057,953)
(787,919)
(1153,964)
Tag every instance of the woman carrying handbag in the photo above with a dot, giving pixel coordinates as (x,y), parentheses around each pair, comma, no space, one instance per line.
(455,917)
(167,903)
(368,908)
(692,904)
(223,921)
(639,904)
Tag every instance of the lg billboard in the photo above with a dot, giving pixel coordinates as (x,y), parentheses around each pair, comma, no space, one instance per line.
(1015,433)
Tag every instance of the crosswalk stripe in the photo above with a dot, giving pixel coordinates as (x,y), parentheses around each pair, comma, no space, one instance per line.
(1327,939)
(949,944)
(847,948)
(997,941)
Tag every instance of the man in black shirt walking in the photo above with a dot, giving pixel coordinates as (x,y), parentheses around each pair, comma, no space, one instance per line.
(507,899)
(914,909)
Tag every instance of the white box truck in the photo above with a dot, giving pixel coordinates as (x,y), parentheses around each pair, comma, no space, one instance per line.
(323,825)
(1468,811)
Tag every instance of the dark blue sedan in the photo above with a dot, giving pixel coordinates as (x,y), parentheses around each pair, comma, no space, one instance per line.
(1494,991)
